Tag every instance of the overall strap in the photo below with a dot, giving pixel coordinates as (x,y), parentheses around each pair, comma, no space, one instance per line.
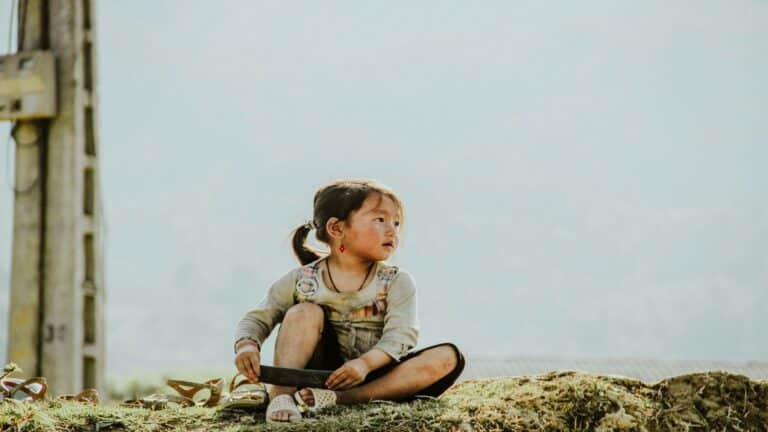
(385,275)
(306,282)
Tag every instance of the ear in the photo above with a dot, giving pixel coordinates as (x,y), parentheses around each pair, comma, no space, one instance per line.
(335,228)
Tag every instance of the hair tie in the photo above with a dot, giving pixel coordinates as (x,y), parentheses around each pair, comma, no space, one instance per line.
(310,224)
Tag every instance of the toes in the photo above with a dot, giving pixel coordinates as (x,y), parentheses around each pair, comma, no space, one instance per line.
(282,416)
(307,397)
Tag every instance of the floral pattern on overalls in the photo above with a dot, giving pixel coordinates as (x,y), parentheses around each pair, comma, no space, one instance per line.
(306,284)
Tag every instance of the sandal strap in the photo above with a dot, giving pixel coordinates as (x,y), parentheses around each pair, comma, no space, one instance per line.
(323,399)
(234,384)
(248,394)
(185,388)
(217,387)
(283,402)
(89,395)
(6,373)
(181,400)
(26,388)
(8,370)
(189,389)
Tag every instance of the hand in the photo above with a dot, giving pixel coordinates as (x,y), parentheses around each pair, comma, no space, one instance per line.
(248,362)
(348,375)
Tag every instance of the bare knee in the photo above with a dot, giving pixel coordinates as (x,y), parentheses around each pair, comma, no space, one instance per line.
(443,360)
(305,315)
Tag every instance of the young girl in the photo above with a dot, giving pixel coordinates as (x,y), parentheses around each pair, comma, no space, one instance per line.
(348,311)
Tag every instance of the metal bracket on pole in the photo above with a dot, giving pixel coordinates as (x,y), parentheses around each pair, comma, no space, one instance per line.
(27,85)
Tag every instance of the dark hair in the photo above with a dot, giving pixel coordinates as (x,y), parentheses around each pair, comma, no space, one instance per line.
(337,199)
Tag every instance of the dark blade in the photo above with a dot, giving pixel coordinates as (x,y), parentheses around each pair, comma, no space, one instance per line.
(294,377)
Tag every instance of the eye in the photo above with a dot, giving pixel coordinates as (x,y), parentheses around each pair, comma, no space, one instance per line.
(397,223)
(380,218)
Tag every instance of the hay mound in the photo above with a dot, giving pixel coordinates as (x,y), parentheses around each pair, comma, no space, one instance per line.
(714,400)
(579,401)
(558,401)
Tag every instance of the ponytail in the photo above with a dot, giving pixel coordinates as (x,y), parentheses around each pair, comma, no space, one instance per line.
(304,254)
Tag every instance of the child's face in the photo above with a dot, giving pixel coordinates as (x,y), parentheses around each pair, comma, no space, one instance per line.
(372,231)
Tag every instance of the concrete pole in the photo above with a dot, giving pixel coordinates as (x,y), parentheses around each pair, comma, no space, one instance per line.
(28,217)
(70,337)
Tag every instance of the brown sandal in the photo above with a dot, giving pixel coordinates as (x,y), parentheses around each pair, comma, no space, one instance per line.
(186,398)
(88,396)
(190,389)
(29,390)
(20,390)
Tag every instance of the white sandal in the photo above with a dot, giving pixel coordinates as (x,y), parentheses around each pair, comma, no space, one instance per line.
(283,402)
(245,395)
(323,399)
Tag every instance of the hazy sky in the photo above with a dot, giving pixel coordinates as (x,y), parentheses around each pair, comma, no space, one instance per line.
(580,178)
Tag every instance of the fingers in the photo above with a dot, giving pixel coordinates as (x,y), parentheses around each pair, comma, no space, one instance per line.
(346,383)
(336,377)
(332,379)
(243,367)
(240,365)
(254,368)
(342,378)
(342,385)
(247,363)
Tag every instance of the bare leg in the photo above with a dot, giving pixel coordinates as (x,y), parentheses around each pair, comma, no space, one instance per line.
(299,334)
(404,380)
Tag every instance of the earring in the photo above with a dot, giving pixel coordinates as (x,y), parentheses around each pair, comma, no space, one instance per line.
(342,248)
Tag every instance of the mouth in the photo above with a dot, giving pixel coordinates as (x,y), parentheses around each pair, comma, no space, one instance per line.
(389,244)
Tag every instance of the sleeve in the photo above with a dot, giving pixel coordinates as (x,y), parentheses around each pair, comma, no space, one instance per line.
(259,322)
(401,327)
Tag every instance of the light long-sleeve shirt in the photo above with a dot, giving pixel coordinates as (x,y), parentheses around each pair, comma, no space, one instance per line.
(361,322)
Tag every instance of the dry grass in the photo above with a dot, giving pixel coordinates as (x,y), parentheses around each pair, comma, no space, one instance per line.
(558,401)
